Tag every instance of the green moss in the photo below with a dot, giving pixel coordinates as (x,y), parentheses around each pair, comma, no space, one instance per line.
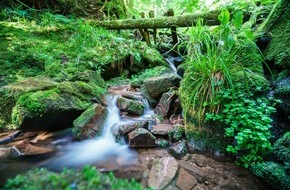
(90,123)
(272,173)
(61,47)
(282,148)
(208,138)
(85,117)
(138,79)
(277,24)
(132,106)
(87,178)
(10,93)
(82,90)
(36,104)
(176,133)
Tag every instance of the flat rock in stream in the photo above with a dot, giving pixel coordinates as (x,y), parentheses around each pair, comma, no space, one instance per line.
(162,172)
(141,137)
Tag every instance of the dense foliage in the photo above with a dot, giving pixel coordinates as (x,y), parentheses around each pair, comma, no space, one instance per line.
(248,121)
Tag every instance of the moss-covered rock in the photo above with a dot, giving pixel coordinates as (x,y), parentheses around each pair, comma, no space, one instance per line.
(9,94)
(47,110)
(42,104)
(87,178)
(134,107)
(156,86)
(272,173)
(282,148)
(90,76)
(90,123)
(138,79)
(277,26)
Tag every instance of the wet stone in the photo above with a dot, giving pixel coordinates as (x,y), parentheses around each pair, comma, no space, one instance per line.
(161,129)
(178,150)
(162,172)
(197,172)
(141,138)
(185,181)
(165,104)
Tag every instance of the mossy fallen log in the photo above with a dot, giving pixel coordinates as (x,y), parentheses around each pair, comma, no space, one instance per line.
(209,18)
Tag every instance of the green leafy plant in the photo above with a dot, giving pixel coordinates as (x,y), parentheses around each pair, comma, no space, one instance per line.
(247,121)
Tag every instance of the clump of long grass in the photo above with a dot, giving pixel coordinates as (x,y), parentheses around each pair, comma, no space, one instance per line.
(214,59)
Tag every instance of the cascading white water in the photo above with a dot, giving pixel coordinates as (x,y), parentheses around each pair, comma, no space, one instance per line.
(170,61)
(104,147)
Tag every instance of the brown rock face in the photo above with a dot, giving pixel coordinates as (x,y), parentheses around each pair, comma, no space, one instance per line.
(194,170)
(164,105)
(185,181)
(161,129)
(162,172)
(141,138)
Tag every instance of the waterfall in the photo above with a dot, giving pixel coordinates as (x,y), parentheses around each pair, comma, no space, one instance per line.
(170,61)
(104,147)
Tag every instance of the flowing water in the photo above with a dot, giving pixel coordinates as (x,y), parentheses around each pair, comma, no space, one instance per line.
(102,151)
(170,61)
(104,147)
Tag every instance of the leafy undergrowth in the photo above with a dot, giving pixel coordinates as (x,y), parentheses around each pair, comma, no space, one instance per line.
(87,178)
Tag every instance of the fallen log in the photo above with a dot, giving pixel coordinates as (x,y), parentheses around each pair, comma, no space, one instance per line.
(209,18)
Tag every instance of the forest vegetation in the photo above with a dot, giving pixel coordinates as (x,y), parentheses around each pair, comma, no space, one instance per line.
(59,58)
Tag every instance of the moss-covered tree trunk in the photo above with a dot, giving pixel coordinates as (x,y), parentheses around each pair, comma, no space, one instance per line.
(209,18)
(87,8)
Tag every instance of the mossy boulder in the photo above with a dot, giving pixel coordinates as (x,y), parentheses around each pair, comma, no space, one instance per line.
(43,104)
(9,94)
(138,79)
(156,86)
(90,123)
(133,107)
(86,178)
(272,173)
(47,110)
(90,76)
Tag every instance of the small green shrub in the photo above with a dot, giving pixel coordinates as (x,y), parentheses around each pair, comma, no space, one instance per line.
(84,179)
(248,122)
(272,173)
